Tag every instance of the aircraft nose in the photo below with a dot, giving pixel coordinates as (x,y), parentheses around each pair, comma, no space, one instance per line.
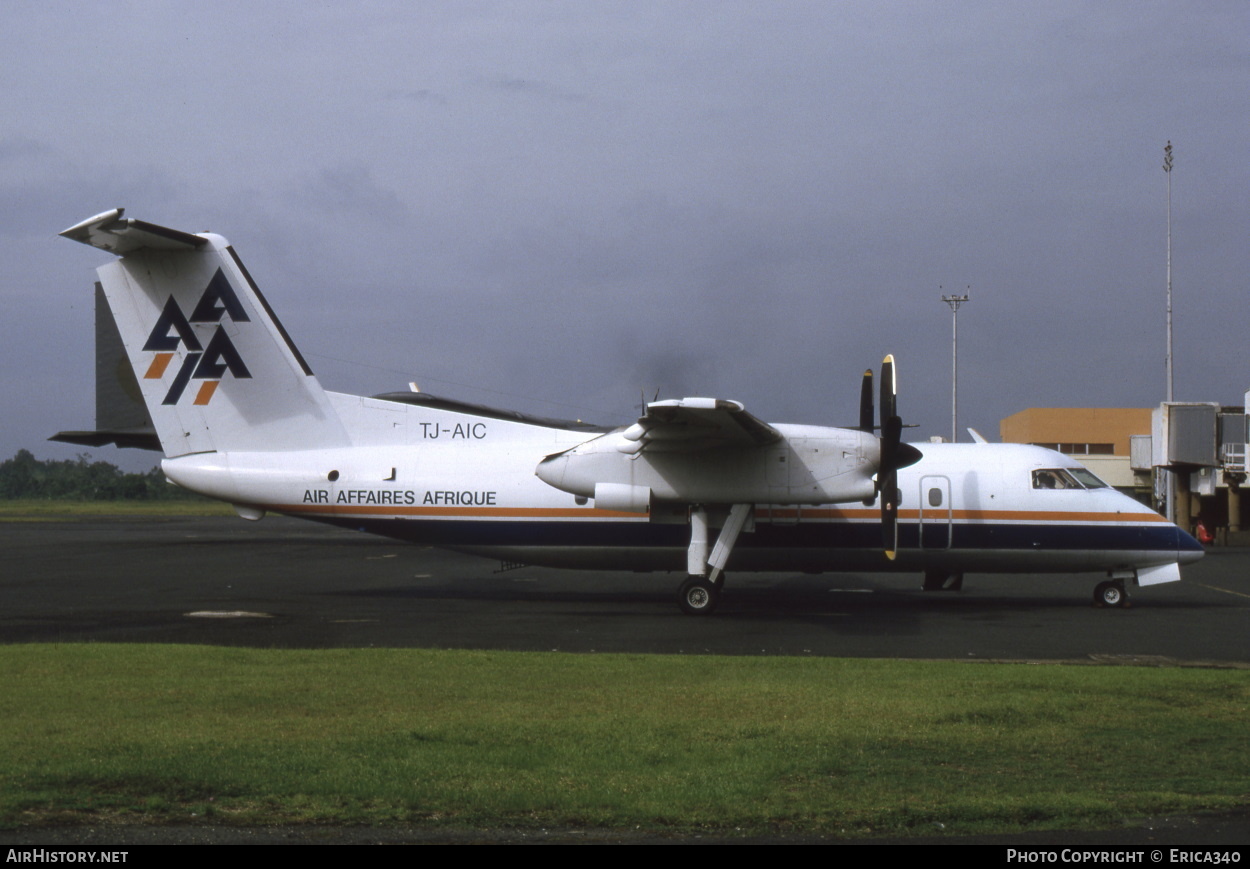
(1188,549)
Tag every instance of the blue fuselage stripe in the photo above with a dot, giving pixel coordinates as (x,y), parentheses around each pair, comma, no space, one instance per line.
(1155,536)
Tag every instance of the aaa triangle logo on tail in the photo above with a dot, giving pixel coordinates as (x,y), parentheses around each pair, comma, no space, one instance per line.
(208,364)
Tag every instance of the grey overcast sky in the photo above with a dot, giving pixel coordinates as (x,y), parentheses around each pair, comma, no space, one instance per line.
(554,206)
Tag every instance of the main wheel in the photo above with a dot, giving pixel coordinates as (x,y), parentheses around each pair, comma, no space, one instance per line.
(698,596)
(1110,594)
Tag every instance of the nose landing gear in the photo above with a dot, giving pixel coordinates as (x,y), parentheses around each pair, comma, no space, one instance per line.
(1110,594)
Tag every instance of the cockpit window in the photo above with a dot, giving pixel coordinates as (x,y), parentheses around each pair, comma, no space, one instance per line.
(1066,478)
(1086,479)
(1054,478)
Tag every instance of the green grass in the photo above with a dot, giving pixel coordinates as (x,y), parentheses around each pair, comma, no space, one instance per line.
(846,747)
(51,510)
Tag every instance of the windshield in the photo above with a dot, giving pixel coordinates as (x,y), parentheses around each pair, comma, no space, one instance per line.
(1086,479)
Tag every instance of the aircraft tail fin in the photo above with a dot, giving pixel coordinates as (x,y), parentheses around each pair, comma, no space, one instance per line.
(216,369)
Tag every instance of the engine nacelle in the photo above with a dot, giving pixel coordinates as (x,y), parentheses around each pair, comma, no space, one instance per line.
(622,496)
(809,465)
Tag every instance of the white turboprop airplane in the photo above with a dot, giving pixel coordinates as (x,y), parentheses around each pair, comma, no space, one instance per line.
(697,483)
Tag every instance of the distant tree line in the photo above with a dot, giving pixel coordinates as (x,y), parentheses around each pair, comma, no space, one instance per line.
(24,476)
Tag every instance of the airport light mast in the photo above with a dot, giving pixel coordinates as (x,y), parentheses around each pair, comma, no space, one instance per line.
(1169,497)
(1167,168)
(955,302)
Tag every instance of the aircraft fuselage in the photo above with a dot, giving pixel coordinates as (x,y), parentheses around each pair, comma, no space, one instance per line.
(473,487)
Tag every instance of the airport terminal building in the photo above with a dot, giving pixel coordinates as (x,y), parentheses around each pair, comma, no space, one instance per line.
(1194,450)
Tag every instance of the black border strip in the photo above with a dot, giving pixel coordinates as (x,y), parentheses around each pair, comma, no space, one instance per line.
(290,345)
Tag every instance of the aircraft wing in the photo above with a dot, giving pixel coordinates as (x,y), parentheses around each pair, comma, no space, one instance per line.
(687,424)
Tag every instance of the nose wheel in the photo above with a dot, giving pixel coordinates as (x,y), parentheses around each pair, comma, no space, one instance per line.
(1110,594)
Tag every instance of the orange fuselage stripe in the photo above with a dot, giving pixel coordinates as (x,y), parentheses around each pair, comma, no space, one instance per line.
(788,513)
(466,512)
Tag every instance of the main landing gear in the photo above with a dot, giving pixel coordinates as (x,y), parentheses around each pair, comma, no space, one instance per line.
(698,596)
(700,592)
(1110,594)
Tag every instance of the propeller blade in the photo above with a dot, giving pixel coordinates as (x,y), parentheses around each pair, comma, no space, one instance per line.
(865,403)
(894,455)
(887,484)
(889,391)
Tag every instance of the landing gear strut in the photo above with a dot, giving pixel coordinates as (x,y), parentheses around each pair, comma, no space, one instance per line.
(700,592)
(1110,594)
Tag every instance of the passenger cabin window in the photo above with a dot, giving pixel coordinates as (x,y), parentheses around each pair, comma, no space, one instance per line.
(935,497)
(1066,478)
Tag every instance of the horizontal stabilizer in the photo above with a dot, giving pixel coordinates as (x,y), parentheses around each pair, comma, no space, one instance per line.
(135,439)
(118,235)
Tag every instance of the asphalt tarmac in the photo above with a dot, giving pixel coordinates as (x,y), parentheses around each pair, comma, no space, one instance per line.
(285,583)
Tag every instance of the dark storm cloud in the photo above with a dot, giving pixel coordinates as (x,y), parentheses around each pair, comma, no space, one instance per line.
(552,206)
